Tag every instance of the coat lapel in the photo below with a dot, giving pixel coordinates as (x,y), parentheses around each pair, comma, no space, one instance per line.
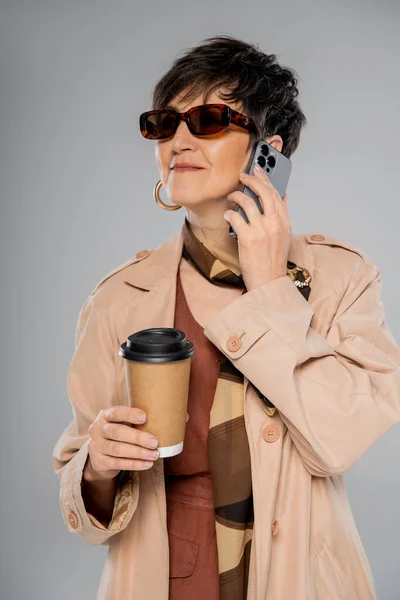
(161,264)
(156,276)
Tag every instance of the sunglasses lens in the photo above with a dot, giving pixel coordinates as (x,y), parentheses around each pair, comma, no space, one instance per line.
(202,120)
(208,120)
(158,125)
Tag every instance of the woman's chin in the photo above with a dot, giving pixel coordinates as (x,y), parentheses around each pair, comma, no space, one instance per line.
(188,201)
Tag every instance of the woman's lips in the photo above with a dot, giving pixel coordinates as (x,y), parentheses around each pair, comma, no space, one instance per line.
(184,169)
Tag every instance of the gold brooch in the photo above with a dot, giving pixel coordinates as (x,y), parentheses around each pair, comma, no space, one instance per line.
(292,274)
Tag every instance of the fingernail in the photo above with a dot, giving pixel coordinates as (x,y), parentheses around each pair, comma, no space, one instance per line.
(257,168)
(153,442)
(226,217)
(141,417)
(155,454)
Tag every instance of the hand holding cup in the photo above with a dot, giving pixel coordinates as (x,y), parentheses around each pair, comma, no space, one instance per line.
(116,444)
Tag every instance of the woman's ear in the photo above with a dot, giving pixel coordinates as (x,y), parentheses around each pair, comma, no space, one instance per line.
(275,141)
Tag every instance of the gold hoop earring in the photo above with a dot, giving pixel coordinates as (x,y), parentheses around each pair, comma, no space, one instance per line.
(156,195)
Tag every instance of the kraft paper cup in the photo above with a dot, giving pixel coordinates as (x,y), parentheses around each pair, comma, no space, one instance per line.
(157,372)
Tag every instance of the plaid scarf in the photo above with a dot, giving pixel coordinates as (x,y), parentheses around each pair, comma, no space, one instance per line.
(228,448)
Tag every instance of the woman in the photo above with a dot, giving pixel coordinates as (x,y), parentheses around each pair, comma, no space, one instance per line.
(295,374)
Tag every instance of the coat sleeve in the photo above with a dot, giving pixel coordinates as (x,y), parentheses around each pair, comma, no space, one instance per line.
(337,394)
(91,387)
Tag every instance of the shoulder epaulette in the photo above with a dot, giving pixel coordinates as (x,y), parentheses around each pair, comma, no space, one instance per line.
(139,257)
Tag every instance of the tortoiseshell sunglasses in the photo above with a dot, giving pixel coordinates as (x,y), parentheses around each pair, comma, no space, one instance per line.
(206,119)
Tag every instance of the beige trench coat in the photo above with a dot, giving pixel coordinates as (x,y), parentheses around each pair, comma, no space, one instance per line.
(330,366)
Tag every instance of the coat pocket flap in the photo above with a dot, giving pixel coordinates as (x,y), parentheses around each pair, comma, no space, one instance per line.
(182,556)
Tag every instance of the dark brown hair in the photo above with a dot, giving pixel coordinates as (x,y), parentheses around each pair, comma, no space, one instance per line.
(265,91)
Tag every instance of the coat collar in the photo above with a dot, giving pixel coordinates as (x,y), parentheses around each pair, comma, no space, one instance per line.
(163,262)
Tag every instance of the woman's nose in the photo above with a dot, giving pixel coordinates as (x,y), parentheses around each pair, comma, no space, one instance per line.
(183,139)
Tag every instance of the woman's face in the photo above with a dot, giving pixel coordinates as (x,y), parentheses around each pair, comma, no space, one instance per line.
(219,160)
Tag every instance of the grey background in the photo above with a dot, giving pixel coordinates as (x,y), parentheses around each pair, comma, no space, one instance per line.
(76,201)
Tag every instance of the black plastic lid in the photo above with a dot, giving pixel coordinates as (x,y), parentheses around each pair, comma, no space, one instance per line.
(157,345)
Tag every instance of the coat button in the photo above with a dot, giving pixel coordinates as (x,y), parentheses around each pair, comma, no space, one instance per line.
(73,520)
(318,238)
(275,527)
(271,433)
(143,254)
(233,343)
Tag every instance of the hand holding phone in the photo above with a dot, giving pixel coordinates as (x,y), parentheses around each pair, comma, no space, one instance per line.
(276,166)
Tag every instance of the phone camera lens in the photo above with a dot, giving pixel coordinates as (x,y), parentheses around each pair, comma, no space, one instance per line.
(271,161)
(264,150)
(261,161)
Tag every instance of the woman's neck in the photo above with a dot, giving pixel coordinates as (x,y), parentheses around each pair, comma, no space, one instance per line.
(215,236)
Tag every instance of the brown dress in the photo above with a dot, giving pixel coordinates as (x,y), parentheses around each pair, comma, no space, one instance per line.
(190,508)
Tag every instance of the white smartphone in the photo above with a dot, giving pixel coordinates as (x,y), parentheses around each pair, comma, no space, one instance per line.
(277,167)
